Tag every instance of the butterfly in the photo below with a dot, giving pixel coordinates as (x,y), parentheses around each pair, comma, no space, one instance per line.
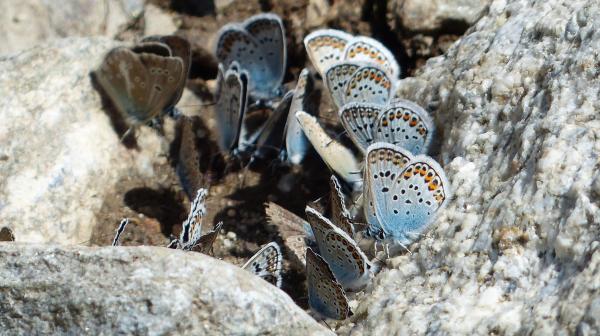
(327,47)
(351,81)
(402,193)
(188,161)
(191,237)
(325,295)
(296,143)
(282,131)
(6,234)
(232,100)
(143,81)
(350,265)
(259,45)
(120,230)
(335,155)
(295,231)
(266,263)
(400,122)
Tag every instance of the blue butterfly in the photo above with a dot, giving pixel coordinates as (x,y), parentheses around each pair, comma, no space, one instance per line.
(325,295)
(266,263)
(351,81)
(402,194)
(230,109)
(259,45)
(326,47)
(351,267)
(400,122)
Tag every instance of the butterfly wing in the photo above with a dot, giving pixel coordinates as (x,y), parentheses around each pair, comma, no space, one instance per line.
(359,121)
(268,32)
(205,243)
(369,84)
(325,47)
(266,263)
(346,260)
(120,230)
(287,223)
(367,49)
(341,216)
(235,44)
(337,157)
(297,245)
(405,124)
(296,143)
(232,87)
(270,134)
(188,161)
(384,163)
(192,228)
(139,85)
(6,234)
(419,191)
(325,295)
(337,77)
(181,48)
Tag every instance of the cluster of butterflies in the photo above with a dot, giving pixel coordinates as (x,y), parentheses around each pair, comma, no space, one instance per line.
(266,263)
(399,188)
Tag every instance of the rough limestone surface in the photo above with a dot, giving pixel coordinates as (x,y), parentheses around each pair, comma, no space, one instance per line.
(26,23)
(517,251)
(47,289)
(60,155)
(418,16)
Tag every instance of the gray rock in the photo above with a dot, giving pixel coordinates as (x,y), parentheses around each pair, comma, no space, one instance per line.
(26,23)
(141,291)
(60,156)
(434,15)
(516,103)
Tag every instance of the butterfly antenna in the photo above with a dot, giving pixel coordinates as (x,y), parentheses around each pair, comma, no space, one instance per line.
(336,138)
(126,134)
(120,230)
(401,245)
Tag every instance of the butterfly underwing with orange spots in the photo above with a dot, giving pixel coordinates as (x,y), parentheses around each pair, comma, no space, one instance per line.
(351,81)
(402,193)
(400,122)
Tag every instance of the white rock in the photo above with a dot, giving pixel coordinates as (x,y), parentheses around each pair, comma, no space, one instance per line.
(157,22)
(139,290)
(26,23)
(516,251)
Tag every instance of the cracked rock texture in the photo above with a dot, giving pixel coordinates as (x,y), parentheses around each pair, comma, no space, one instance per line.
(516,252)
(60,155)
(48,289)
